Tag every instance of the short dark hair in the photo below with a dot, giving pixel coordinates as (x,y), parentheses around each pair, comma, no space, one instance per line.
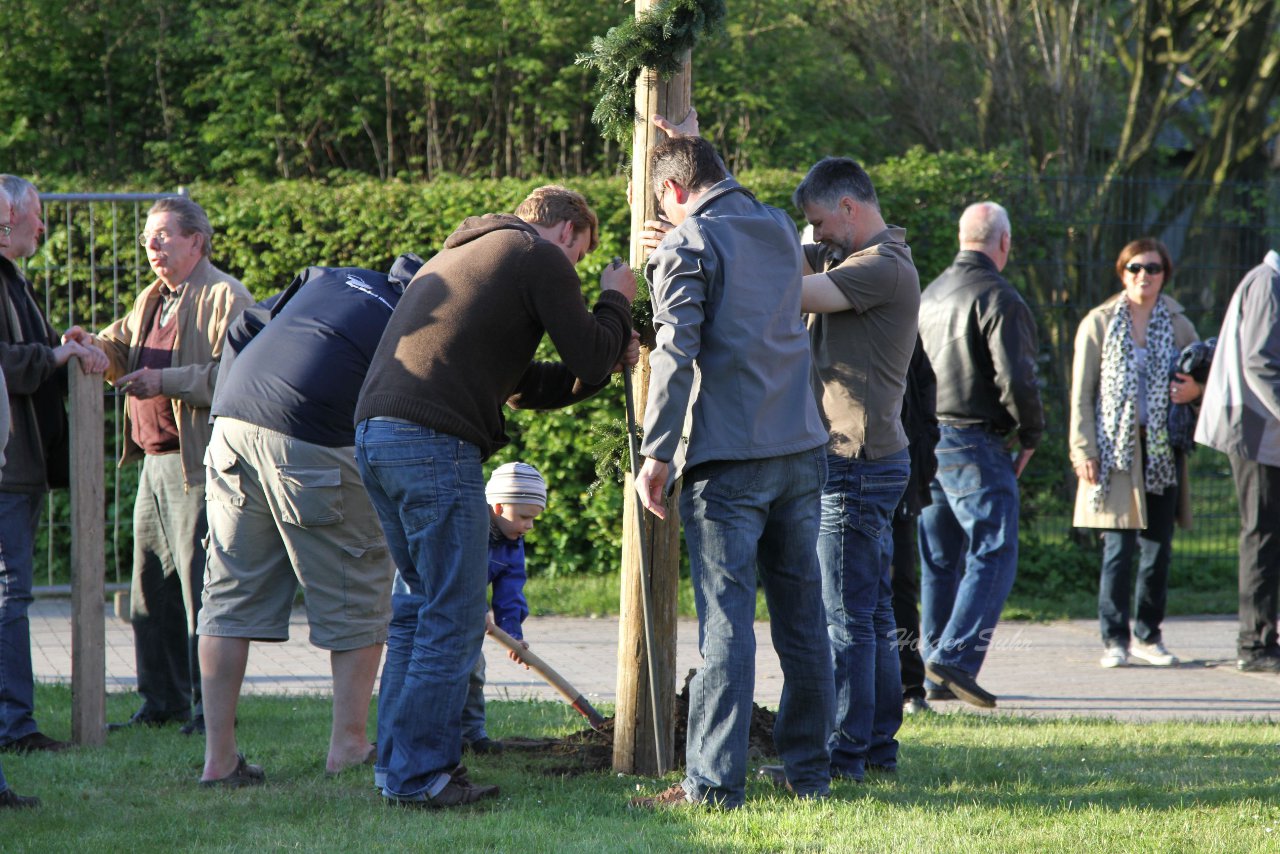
(552,203)
(690,161)
(1141,246)
(191,219)
(831,179)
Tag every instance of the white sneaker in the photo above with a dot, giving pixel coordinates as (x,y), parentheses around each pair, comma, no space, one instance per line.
(1153,653)
(1115,656)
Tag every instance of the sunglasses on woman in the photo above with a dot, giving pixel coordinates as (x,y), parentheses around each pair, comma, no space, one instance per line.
(1151,269)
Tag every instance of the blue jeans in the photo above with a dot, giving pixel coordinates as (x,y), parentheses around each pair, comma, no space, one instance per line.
(428,489)
(473,728)
(742,518)
(1154,545)
(19,516)
(855,550)
(968,547)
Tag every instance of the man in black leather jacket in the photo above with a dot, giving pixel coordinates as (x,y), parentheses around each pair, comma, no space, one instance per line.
(980,337)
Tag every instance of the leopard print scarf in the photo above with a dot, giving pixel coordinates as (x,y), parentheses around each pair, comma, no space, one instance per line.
(1118,402)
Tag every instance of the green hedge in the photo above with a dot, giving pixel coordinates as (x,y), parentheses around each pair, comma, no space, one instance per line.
(265,232)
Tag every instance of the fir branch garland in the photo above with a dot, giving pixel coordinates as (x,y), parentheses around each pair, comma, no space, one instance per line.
(657,39)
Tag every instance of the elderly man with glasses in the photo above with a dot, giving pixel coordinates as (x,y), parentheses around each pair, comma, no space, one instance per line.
(33,364)
(164,356)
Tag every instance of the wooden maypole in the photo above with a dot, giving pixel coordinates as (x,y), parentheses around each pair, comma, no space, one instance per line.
(634,745)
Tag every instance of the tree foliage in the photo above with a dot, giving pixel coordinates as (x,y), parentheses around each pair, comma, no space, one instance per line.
(180,90)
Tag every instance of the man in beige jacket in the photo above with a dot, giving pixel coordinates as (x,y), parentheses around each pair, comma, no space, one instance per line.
(164,356)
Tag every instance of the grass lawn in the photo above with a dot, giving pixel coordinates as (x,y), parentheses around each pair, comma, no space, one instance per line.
(967,783)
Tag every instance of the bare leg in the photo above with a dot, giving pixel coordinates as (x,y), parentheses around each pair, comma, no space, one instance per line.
(354,671)
(222,663)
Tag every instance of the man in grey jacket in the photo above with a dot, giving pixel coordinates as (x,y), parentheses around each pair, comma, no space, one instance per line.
(980,337)
(726,285)
(1240,416)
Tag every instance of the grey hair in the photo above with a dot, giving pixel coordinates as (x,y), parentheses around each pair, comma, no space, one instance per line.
(831,179)
(19,190)
(191,218)
(984,223)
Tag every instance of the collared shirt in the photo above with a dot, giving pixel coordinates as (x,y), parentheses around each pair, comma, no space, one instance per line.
(862,354)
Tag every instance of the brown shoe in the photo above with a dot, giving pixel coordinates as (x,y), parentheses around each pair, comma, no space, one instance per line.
(35,742)
(244,775)
(11,800)
(672,798)
(457,792)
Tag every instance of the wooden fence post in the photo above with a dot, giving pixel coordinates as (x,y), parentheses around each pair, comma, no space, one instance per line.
(88,560)
(634,750)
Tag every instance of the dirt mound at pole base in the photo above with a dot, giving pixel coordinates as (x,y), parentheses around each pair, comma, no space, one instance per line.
(591,750)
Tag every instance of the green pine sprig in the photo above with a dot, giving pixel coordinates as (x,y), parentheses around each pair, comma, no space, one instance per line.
(657,39)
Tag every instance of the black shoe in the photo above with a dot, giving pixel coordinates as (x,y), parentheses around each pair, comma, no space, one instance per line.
(195,726)
(483,745)
(936,694)
(962,684)
(141,718)
(11,800)
(35,742)
(1260,662)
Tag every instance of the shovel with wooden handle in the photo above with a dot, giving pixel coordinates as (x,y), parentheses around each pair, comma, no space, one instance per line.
(552,678)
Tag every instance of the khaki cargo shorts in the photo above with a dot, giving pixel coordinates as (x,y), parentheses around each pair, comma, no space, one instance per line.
(284,512)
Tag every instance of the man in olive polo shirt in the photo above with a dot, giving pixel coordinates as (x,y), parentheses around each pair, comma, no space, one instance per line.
(862,297)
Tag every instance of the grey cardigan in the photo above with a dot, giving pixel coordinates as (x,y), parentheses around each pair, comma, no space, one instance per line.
(726,306)
(1240,414)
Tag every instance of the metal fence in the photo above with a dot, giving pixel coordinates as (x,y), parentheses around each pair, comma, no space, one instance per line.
(1067,233)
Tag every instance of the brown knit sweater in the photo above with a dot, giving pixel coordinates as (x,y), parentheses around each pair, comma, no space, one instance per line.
(462,338)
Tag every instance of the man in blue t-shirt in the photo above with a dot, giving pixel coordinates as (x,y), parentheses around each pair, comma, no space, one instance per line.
(286,503)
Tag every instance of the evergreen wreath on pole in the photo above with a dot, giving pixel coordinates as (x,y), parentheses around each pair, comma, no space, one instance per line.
(657,39)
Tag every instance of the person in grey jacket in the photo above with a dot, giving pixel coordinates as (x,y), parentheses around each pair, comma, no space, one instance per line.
(726,285)
(1240,416)
(980,338)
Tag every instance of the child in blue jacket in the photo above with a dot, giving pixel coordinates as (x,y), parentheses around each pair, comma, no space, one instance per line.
(517,494)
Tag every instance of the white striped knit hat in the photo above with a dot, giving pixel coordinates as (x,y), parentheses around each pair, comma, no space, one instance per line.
(516,483)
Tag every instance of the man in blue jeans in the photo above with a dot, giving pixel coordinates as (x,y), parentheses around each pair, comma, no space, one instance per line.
(863,303)
(726,285)
(460,343)
(980,337)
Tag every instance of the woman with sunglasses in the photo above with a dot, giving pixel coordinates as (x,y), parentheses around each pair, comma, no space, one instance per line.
(1132,481)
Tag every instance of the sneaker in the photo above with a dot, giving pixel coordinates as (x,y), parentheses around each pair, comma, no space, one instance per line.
(35,742)
(668,799)
(1115,656)
(1153,653)
(961,683)
(11,800)
(936,694)
(456,793)
(916,705)
(1260,662)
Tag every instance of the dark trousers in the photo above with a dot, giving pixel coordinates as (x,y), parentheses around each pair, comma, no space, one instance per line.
(1154,547)
(906,605)
(169,527)
(1258,492)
